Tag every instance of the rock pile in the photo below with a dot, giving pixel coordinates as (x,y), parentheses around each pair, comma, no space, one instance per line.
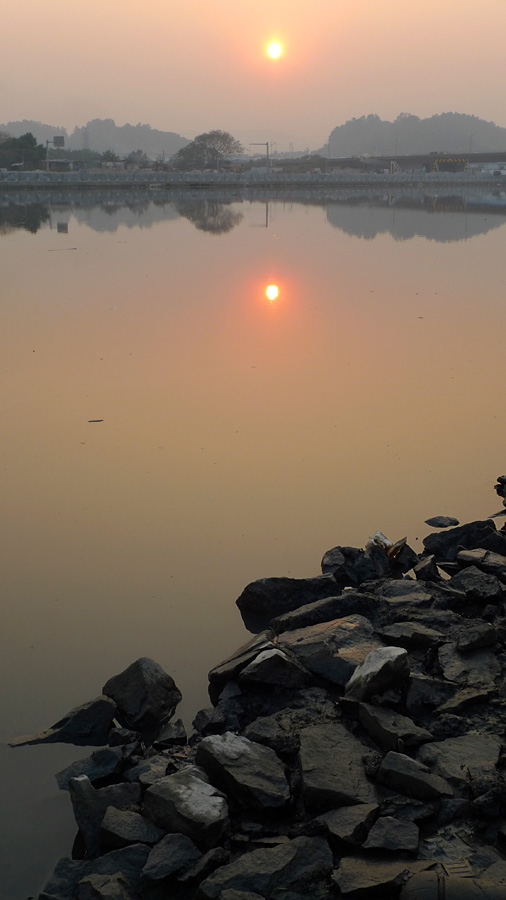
(354,747)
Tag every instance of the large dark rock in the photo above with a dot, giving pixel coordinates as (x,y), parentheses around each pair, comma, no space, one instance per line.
(411,777)
(389,729)
(381,670)
(393,836)
(442,521)
(461,759)
(175,854)
(106,887)
(185,802)
(332,650)
(102,763)
(85,725)
(121,827)
(445,545)
(359,877)
(89,807)
(229,669)
(485,560)
(411,635)
(478,586)
(273,596)
(475,669)
(332,770)
(273,668)
(250,774)
(292,869)
(144,694)
(348,603)
(350,824)
(63,883)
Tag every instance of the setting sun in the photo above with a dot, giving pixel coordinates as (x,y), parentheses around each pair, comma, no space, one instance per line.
(274,50)
(272,292)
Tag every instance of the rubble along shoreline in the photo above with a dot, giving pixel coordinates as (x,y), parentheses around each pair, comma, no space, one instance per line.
(354,746)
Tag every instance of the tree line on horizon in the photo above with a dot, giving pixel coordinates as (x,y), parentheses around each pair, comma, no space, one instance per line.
(444,133)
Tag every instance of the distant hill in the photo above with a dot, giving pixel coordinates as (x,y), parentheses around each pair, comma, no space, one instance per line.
(448,132)
(104,134)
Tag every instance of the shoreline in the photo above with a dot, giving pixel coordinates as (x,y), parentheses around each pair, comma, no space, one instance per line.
(354,746)
(159,181)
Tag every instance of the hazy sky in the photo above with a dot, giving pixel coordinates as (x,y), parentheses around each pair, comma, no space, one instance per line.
(196,65)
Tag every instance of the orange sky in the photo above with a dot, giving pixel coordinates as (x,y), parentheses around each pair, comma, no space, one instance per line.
(195,66)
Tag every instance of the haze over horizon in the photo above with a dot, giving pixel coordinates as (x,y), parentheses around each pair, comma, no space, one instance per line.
(200,67)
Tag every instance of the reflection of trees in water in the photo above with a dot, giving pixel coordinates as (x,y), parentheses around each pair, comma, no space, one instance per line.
(213,216)
(29,217)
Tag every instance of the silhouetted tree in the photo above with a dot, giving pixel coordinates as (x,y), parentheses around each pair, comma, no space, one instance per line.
(23,150)
(208,151)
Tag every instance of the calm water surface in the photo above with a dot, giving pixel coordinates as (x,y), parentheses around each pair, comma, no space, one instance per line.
(239,438)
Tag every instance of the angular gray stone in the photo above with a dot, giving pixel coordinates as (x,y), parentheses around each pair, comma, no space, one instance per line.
(425,694)
(332,650)
(350,824)
(347,603)
(393,835)
(477,669)
(229,669)
(463,700)
(411,777)
(121,827)
(411,634)
(175,854)
(445,545)
(149,770)
(101,764)
(273,667)
(106,887)
(293,866)
(391,730)
(204,866)
(276,731)
(485,560)
(63,883)
(185,802)
(463,758)
(427,570)
(478,586)
(381,670)
(172,734)
(88,724)
(372,877)
(210,721)
(442,521)
(144,694)
(481,634)
(89,806)
(332,770)
(249,773)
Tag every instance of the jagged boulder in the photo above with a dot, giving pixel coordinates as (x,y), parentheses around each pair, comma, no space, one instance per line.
(102,763)
(482,534)
(291,869)
(332,770)
(185,802)
(121,827)
(332,650)
(251,774)
(389,729)
(393,835)
(144,694)
(381,669)
(272,596)
(273,668)
(89,806)
(85,725)
(174,854)
(411,777)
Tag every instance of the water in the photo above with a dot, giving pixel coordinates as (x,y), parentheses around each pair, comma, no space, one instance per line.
(240,438)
